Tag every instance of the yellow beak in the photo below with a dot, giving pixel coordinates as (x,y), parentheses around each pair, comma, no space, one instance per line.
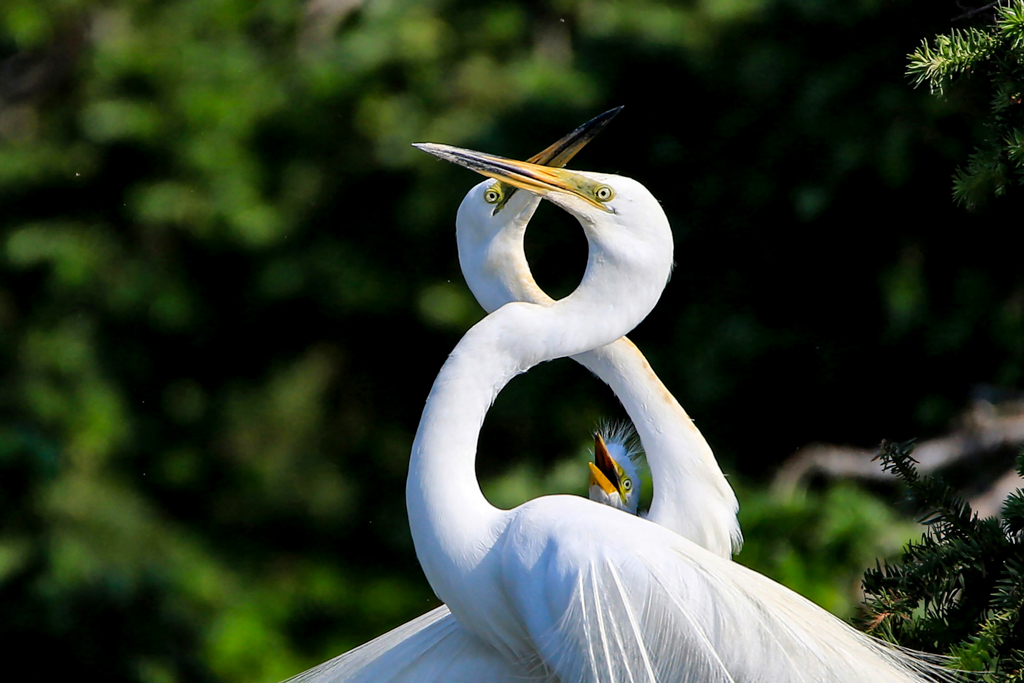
(597,478)
(560,153)
(531,177)
(603,471)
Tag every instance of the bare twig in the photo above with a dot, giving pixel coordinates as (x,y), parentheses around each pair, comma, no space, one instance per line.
(983,429)
(970,14)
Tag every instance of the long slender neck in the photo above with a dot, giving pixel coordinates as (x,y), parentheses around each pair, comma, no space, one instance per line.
(691,494)
(452,523)
(493,260)
(447,510)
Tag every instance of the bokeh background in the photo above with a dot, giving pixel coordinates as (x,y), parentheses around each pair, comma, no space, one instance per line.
(228,281)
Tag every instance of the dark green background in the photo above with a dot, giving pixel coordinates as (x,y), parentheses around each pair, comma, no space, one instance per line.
(228,281)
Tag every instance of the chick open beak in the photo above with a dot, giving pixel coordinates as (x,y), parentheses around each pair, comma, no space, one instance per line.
(602,470)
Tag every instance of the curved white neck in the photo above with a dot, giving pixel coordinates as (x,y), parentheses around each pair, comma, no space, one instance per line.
(691,497)
(452,524)
(691,494)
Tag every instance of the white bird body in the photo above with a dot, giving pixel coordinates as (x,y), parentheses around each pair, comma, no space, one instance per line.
(691,494)
(459,536)
(569,588)
(431,648)
(562,588)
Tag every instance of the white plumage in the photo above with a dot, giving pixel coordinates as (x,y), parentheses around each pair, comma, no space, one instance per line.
(430,648)
(561,588)
(691,494)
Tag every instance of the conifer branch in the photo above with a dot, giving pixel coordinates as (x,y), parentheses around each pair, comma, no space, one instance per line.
(993,57)
(959,591)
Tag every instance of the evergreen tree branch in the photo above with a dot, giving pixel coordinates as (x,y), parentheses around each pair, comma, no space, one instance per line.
(959,590)
(996,52)
(951,55)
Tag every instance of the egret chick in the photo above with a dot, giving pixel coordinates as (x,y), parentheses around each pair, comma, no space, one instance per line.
(614,479)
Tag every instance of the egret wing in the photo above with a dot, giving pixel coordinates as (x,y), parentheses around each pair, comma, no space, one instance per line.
(430,648)
(617,602)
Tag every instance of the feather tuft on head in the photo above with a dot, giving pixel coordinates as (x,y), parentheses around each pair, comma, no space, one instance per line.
(621,488)
(623,445)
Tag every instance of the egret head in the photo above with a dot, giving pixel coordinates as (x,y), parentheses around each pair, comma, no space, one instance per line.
(491,226)
(490,230)
(628,233)
(614,480)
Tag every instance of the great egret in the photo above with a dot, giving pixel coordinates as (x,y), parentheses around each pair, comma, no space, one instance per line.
(563,588)
(434,646)
(577,589)
(691,494)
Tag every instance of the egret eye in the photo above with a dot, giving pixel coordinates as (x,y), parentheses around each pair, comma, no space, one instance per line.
(604,193)
(627,484)
(493,194)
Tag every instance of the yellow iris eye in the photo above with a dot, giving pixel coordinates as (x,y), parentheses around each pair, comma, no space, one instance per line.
(627,484)
(492,196)
(604,193)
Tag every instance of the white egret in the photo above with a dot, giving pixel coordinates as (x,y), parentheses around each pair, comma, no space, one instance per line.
(561,587)
(691,494)
(434,646)
(576,589)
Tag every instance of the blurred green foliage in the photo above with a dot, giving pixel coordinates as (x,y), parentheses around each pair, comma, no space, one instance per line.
(819,543)
(228,281)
